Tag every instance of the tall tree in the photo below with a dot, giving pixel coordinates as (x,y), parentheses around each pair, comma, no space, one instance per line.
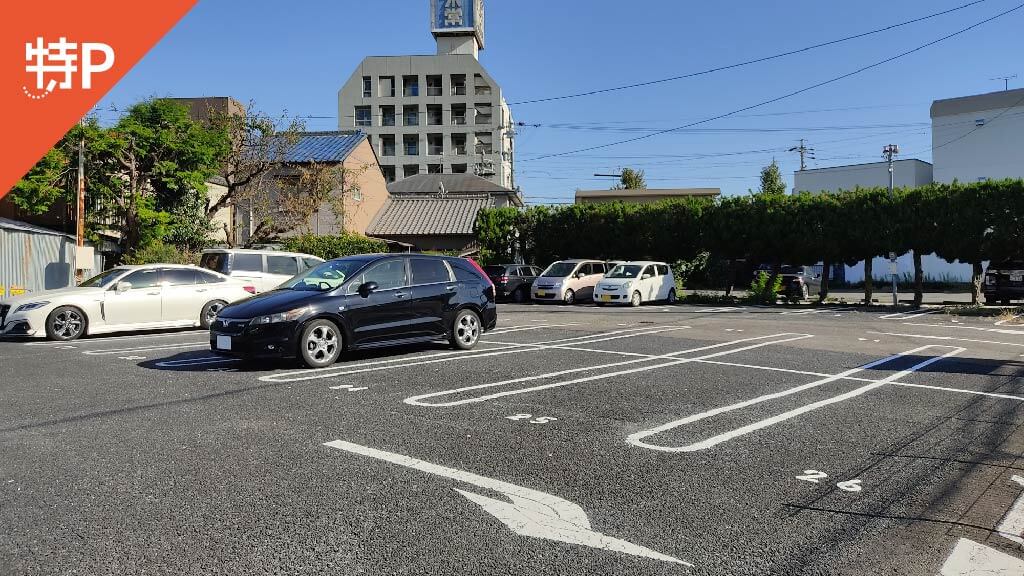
(631,180)
(772,183)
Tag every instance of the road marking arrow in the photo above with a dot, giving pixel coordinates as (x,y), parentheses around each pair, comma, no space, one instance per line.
(530,513)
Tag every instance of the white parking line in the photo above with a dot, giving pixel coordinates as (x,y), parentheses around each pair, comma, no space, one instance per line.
(525,328)
(196,361)
(950,338)
(636,439)
(146,348)
(969,558)
(1012,526)
(819,310)
(907,315)
(977,328)
(418,400)
(1009,321)
(315,374)
(104,340)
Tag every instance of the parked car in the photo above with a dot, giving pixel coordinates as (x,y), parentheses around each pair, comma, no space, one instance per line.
(568,281)
(122,299)
(512,281)
(361,302)
(264,269)
(798,282)
(634,283)
(1004,281)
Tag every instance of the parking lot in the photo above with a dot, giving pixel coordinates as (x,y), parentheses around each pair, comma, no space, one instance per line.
(572,440)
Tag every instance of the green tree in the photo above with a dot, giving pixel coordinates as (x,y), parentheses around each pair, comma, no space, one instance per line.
(772,183)
(631,180)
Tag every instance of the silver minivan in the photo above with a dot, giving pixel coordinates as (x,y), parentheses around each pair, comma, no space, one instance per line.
(264,269)
(568,281)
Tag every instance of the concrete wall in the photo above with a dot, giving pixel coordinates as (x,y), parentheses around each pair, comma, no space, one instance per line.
(351,95)
(966,152)
(906,173)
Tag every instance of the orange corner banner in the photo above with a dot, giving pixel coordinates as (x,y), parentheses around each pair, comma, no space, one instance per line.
(58,59)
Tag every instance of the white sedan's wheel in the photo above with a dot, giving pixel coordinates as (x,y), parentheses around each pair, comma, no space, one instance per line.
(65,323)
(636,300)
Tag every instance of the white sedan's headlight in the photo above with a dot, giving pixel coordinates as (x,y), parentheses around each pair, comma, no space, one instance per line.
(281,317)
(30,306)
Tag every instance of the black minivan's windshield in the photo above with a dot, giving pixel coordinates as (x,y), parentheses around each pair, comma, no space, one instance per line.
(326,276)
(560,269)
(103,280)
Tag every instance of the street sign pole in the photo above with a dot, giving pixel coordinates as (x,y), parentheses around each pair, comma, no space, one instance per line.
(888,153)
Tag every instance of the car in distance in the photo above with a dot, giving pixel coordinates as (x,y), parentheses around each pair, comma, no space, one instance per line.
(634,283)
(122,299)
(799,282)
(568,281)
(360,302)
(264,269)
(1004,281)
(512,281)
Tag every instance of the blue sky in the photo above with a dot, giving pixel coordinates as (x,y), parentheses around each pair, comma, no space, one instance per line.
(294,56)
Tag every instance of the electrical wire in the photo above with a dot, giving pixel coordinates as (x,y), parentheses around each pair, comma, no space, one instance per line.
(790,94)
(745,63)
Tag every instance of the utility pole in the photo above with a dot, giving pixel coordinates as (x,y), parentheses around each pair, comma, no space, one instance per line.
(1006,80)
(889,152)
(80,209)
(804,152)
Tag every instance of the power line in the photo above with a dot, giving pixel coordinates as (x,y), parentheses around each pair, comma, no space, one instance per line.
(795,92)
(746,63)
(976,128)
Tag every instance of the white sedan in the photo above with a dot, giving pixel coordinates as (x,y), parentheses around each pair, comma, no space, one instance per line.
(123,299)
(634,283)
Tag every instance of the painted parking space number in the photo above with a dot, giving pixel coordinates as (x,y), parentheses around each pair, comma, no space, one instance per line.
(816,475)
(531,419)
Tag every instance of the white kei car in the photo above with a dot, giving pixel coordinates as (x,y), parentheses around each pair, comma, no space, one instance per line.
(123,299)
(634,283)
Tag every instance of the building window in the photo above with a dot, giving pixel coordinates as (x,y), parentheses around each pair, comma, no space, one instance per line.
(387,144)
(483,143)
(458,84)
(434,85)
(367,87)
(458,114)
(483,113)
(411,144)
(434,115)
(458,168)
(388,171)
(411,115)
(410,86)
(979,122)
(363,117)
(459,144)
(480,86)
(411,170)
(435,144)
(387,115)
(435,169)
(386,87)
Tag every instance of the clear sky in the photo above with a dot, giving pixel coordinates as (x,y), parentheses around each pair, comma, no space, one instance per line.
(294,56)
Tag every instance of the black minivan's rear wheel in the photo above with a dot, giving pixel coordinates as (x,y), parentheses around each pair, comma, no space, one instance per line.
(465,330)
(320,344)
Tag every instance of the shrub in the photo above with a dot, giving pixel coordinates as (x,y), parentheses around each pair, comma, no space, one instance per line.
(160,253)
(714,299)
(763,293)
(328,247)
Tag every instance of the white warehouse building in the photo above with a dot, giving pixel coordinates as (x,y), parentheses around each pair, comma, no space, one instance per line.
(435,114)
(977,138)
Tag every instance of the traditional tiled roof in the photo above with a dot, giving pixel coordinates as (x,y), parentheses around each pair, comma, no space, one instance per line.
(454,183)
(410,215)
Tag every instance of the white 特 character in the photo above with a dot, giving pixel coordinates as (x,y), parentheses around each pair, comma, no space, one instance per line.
(53,57)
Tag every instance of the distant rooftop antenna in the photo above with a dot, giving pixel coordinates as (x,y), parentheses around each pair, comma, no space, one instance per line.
(1005,79)
(441,191)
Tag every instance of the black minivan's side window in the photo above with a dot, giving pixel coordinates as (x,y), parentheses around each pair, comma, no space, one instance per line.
(247,262)
(428,271)
(388,274)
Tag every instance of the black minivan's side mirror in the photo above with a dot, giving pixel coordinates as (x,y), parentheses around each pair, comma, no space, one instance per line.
(367,288)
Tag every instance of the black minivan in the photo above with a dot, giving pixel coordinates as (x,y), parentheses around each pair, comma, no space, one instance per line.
(360,302)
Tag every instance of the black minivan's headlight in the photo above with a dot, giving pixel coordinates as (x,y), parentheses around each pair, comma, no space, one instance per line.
(282,316)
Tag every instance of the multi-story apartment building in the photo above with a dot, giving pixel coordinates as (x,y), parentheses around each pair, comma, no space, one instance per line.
(439,113)
(980,137)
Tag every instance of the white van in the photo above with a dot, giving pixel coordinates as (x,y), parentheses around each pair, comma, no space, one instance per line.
(634,283)
(264,269)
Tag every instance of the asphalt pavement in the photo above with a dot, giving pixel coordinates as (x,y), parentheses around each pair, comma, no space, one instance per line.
(572,440)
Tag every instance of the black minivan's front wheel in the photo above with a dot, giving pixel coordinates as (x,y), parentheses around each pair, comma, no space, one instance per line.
(465,330)
(320,344)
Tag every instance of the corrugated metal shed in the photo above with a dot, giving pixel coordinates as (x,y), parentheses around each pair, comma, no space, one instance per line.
(324,146)
(419,215)
(33,258)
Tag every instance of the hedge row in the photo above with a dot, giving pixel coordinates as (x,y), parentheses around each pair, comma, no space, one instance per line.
(966,222)
(328,247)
